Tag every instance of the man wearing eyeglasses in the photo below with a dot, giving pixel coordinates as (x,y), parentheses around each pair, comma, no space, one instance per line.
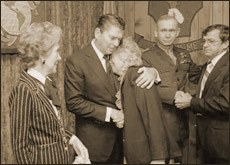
(211,103)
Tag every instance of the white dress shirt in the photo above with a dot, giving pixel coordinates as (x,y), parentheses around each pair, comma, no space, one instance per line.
(37,75)
(103,62)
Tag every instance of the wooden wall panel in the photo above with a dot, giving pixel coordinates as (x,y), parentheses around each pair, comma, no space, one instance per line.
(217,9)
(10,72)
(142,22)
(129,18)
(225,13)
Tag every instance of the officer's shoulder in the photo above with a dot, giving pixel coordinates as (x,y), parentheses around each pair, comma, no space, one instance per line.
(149,49)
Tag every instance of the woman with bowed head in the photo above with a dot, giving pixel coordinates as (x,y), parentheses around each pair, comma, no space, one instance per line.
(144,134)
(37,130)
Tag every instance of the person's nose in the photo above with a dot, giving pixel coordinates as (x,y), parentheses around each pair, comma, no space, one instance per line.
(116,42)
(205,44)
(58,57)
(167,34)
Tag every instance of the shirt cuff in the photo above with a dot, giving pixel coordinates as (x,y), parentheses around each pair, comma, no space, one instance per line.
(108,114)
(158,79)
(72,139)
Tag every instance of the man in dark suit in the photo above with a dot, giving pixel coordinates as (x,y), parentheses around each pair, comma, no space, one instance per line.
(211,103)
(90,89)
(173,65)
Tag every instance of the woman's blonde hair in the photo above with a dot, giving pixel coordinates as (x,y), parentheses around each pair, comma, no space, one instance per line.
(129,53)
(36,41)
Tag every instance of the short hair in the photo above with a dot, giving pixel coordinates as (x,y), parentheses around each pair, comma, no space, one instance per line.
(36,41)
(168,17)
(111,19)
(224,31)
(129,53)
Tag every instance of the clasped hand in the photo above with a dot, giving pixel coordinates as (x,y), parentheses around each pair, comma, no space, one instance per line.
(118,117)
(182,100)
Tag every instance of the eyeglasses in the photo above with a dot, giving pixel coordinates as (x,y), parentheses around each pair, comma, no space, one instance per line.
(210,41)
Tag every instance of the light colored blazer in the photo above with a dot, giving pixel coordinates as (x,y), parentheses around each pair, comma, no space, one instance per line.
(38,136)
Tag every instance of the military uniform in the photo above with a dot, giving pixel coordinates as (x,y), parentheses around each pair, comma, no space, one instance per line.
(173,78)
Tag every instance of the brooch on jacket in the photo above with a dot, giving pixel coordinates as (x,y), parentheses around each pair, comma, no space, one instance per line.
(185,58)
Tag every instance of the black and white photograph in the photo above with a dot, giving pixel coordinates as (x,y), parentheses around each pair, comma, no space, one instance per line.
(115,82)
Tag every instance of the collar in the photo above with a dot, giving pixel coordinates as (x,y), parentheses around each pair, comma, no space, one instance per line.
(165,48)
(217,58)
(98,52)
(37,75)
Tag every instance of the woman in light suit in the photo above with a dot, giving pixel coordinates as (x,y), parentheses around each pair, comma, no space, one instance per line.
(37,130)
(145,139)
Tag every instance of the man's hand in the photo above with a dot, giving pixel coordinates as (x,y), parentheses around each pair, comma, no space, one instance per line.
(80,160)
(147,78)
(178,95)
(118,117)
(79,148)
(182,100)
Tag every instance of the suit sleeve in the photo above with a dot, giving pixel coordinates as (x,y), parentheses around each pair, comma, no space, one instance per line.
(216,103)
(195,72)
(21,105)
(149,106)
(74,94)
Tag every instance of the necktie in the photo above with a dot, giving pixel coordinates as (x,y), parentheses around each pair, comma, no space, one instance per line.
(110,72)
(205,77)
(171,55)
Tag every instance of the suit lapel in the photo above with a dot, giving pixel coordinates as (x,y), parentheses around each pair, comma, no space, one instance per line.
(177,55)
(39,92)
(200,80)
(96,67)
(216,71)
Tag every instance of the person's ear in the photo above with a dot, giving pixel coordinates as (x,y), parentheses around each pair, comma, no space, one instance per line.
(226,44)
(177,32)
(97,33)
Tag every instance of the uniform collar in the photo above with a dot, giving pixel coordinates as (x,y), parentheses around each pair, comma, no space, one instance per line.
(165,48)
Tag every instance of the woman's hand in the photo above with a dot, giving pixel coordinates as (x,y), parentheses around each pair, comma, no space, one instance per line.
(80,149)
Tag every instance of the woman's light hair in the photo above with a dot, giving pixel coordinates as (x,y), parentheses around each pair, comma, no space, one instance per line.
(36,41)
(129,53)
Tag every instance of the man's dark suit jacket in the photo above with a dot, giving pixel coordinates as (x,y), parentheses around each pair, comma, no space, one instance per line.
(173,78)
(144,132)
(88,92)
(213,124)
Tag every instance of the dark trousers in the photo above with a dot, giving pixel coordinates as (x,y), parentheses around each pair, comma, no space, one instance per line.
(207,159)
(117,155)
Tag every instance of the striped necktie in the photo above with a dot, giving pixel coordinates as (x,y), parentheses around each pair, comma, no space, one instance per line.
(110,72)
(205,77)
